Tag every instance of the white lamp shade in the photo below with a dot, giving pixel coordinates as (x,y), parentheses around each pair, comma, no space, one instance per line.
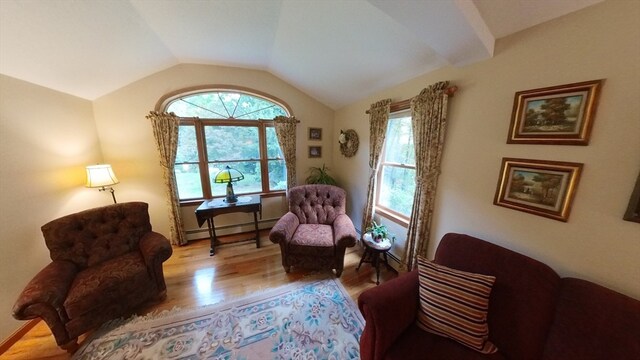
(100,176)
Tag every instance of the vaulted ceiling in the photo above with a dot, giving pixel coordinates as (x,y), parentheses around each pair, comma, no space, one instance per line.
(337,51)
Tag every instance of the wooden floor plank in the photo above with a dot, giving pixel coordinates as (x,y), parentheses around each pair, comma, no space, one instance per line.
(194,279)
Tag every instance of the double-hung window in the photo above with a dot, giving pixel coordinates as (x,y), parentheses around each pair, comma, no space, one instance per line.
(220,128)
(397,172)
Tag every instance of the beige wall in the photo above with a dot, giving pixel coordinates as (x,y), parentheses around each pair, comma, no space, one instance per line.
(600,42)
(127,140)
(46,140)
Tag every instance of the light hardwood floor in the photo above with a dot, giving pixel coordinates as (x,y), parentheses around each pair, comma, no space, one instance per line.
(194,279)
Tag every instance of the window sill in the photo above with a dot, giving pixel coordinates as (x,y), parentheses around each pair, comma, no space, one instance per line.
(402,221)
(194,202)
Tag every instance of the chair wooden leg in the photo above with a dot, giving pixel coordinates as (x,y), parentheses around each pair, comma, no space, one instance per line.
(287,269)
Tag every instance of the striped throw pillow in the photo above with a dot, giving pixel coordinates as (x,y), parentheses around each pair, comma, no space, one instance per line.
(454,304)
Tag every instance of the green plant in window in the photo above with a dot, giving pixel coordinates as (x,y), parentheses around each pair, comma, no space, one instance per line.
(320,176)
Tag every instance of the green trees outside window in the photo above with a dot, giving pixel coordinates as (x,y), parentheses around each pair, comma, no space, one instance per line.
(227,128)
(397,173)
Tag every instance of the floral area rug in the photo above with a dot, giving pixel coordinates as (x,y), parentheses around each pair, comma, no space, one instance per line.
(303,320)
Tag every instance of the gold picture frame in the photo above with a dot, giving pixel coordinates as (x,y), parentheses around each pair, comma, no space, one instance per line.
(539,187)
(558,115)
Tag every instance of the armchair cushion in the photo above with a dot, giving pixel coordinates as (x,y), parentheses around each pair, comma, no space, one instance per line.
(100,285)
(312,239)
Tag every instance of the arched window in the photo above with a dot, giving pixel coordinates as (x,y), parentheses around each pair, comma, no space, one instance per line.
(227,127)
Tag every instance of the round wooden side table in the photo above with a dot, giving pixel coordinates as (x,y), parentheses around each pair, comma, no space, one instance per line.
(372,252)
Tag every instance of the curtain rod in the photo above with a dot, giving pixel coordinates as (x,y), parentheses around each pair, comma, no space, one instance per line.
(404,104)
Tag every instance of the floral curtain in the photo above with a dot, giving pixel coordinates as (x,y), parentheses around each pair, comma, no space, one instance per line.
(286,133)
(429,120)
(378,119)
(165,131)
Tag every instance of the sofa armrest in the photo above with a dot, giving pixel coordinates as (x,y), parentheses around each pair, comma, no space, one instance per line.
(283,230)
(344,232)
(388,310)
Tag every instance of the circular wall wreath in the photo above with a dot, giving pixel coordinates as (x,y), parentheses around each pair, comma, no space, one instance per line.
(348,142)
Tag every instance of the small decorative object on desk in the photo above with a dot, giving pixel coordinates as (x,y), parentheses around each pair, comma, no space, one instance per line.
(379,232)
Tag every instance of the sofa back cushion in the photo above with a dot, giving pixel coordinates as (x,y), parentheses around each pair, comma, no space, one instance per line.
(522,301)
(92,236)
(317,204)
(593,322)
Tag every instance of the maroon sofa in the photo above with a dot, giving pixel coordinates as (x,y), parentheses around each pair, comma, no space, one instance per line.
(105,262)
(533,312)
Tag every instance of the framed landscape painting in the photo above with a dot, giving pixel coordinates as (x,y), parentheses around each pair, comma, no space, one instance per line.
(544,188)
(560,115)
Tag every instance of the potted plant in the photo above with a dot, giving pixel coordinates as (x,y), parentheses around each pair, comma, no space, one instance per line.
(320,176)
(379,232)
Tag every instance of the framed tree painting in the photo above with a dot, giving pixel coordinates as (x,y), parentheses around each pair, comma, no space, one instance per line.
(560,115)
(544,188)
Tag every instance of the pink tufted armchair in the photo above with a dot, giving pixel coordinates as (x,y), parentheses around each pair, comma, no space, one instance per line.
(105,262)
(316,231)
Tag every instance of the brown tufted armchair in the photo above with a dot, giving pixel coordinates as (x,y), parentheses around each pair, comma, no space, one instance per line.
(105,262)
(316,231)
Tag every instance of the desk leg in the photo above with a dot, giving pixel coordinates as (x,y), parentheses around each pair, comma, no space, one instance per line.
(255,222)
(212,236)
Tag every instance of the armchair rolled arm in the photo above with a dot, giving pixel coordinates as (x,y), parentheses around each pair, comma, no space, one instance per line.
(388,310)
(344,232)
(44,297)
(155,249)
(283,230)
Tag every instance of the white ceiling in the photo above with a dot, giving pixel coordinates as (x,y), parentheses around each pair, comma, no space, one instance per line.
(337,51)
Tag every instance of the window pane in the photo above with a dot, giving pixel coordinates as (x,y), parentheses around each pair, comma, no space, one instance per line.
(232,143)
(188,180)
(399,142)
(225,105)
(250,107)
(252,181)
(273,146)
(397,188)
(277,175)
(187,145)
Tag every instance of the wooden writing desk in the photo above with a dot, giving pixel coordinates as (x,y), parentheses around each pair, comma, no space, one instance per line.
(210,208)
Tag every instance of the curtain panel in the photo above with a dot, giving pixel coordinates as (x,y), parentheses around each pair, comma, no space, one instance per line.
(429,120)
(378,119)
(286,133)
(165,131)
